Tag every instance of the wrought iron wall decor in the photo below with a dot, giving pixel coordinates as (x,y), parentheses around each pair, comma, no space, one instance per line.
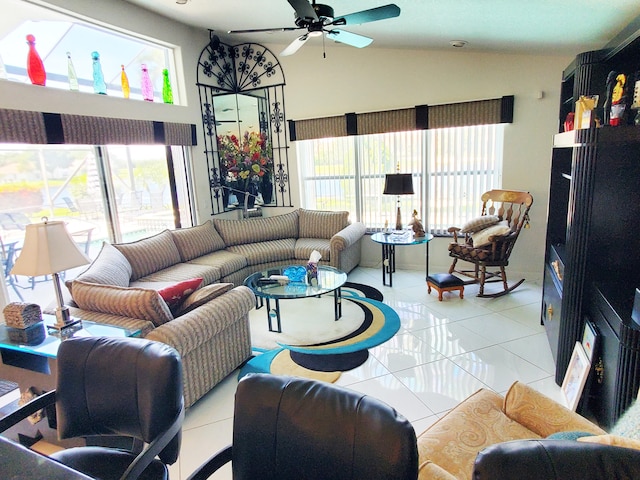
(241,90)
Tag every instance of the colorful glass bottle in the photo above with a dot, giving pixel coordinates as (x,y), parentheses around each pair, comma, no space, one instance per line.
(147,86)
(99,86)
(73,78)
(124,81)
(167,93)
(3,70)
(35,67)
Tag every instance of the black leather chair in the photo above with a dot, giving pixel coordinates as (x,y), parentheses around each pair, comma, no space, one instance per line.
(556,460)
(292,428)
(124,387)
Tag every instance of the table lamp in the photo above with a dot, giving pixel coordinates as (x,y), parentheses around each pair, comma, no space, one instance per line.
(398,184)
(49,249)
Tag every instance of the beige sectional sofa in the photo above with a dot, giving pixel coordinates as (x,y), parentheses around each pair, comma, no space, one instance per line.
(210,329)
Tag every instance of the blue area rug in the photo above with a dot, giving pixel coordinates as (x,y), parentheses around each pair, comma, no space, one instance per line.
(326,360)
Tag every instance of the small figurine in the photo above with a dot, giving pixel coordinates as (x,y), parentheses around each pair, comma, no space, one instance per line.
(416,225)
(618,100)
(611,80)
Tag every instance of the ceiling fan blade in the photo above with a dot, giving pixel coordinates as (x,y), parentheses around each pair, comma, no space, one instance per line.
(295,45)
(348,38)
(258,30)
(371,15)
(304,10)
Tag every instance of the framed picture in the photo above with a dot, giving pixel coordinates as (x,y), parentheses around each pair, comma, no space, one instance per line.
(576,376)
(589,339)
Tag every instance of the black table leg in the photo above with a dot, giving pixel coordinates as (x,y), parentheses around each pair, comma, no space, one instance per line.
(388,263)
(277,313)
(337,303)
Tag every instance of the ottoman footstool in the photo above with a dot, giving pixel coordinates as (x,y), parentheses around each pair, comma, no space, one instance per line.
(445,282)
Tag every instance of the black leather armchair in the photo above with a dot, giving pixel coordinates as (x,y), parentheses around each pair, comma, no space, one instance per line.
(126,387)
(292,428)
(556,459)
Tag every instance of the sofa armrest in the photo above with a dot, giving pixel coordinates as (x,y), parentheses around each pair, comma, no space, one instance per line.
(555,459)
(198,326)
(543,415)
(348,236)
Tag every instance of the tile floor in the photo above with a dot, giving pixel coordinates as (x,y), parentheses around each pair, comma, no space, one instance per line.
(443,353)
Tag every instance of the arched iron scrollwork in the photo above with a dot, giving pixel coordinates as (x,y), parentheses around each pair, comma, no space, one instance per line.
(241,78)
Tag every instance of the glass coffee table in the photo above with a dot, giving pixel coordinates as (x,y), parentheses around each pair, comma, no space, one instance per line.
(329,280)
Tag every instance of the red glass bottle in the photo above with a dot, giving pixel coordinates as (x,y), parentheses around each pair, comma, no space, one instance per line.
(35,67)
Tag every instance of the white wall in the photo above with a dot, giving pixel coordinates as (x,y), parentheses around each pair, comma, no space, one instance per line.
(352,80)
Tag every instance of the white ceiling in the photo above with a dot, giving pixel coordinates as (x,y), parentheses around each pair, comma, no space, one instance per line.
(564,27)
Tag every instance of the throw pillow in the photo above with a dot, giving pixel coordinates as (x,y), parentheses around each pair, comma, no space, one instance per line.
(612,440)
(110,267)
(196,241)
(481,238)
(176,294)
(628,425)
(150,254)
(572,435)
(202,296)
(478,223)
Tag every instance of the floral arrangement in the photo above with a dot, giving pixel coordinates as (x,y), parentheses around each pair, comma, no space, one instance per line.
(247,159)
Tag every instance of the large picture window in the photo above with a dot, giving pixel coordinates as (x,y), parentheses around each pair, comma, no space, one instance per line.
(451,168)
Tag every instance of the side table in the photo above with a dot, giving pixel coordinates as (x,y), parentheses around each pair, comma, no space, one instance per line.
(389,243)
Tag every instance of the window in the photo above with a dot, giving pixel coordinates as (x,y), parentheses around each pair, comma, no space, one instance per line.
(103,193)
(57,33)
(451,169)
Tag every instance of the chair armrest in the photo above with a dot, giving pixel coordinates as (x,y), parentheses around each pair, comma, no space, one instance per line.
(201,324)
(556,459)
(455,231)
(27,410)
(214,463)
(543,415)
(350,235)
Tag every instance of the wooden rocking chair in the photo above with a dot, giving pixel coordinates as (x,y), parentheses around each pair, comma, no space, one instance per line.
(489,239)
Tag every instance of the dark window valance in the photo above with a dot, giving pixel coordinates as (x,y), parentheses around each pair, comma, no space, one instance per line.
(20,126)
(477,112)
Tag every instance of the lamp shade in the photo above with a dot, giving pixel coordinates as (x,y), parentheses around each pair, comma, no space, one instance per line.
(398,184)
(48,248)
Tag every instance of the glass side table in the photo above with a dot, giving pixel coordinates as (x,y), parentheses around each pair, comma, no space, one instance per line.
(389,242)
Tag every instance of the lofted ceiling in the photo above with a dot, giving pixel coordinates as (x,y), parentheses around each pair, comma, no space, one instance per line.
(563,27)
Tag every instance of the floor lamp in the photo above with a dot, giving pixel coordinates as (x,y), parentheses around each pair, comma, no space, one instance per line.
(48,250)
(398,184)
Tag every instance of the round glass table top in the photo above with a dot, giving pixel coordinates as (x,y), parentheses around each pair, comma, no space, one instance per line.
(404,238)
(298,286)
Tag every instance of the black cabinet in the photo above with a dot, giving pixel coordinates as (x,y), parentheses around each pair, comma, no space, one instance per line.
(593,211)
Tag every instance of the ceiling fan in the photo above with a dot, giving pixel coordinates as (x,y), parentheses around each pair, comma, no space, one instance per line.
(318,19)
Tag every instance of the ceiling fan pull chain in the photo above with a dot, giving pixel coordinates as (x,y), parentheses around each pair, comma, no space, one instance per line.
(324,51)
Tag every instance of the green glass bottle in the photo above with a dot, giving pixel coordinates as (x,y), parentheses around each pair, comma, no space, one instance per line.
(167,94)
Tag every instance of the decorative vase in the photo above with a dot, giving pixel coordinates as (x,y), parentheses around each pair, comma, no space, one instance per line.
(71,72)
(147,86)
(124,82)
(99,85)
(266,189)
(252,190)
(35,67)
(167,93)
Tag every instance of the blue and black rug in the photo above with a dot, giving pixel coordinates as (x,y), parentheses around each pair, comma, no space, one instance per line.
(368,322)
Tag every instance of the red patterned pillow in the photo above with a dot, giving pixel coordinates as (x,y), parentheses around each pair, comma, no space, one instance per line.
(176,294)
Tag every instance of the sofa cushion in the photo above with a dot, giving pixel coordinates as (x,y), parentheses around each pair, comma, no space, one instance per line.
(226,262)
(481,238)
(321,224)
(305,246)
(176,294)
(196,241)
(266,252)
(110,267)
(180,272)
(202,296)
(240,232)
(454,440)
(150,254)
(125,301)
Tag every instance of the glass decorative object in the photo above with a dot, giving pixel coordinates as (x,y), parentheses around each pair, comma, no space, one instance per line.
(3,70)
(147,86)
(73,78)
(99,85)
(167,93)
(35,67)
(124,82)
